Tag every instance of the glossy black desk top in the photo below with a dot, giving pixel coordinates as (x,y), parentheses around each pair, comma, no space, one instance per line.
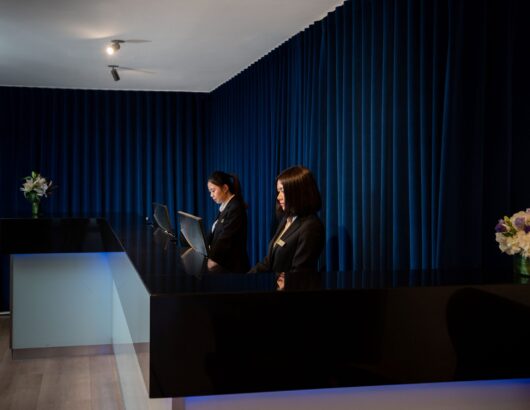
(158,260)
(57,235)
(166,268)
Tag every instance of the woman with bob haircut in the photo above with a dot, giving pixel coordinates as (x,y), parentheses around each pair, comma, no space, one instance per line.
(299,240)
(227,240)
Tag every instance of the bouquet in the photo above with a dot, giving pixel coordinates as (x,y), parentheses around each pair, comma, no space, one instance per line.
(513,234)
(36,186)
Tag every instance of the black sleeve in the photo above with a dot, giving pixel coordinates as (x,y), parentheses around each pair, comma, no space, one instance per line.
(309,247)
(263,266)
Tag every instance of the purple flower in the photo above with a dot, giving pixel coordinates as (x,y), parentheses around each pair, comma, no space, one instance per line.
(519,223)
(500,227)
(526,229)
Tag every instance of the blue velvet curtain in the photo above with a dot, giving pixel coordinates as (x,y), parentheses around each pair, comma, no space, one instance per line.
(107,151)
(413,115)
(409,114)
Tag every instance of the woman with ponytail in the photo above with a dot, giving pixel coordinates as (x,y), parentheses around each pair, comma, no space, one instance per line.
(227,239)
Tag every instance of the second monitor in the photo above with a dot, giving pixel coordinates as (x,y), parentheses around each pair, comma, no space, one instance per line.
(192,230)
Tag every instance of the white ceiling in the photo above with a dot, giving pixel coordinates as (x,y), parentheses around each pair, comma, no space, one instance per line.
(187,45)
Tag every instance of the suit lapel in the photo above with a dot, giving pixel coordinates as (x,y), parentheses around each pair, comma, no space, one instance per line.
(292,229)
(278,231)
(221,214)
(228,205)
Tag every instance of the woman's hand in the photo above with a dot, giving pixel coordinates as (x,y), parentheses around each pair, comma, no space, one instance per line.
(212,265)
(280,281)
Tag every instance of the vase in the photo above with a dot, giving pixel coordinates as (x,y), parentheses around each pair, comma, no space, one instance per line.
(35,209)
(521,265)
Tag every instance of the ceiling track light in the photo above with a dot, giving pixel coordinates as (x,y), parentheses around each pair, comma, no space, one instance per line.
(114,72)
(114,46)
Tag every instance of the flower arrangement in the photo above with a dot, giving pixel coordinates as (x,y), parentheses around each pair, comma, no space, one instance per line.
(513,234)
(34,188)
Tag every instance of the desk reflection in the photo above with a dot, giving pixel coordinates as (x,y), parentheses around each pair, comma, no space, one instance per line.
(298,281)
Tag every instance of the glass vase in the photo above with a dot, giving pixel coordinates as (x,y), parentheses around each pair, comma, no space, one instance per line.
(35,209)
(521,265)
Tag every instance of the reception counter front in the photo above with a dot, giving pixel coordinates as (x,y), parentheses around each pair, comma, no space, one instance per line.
(178,330)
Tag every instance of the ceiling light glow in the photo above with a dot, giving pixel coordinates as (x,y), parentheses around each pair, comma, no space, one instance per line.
(114,46)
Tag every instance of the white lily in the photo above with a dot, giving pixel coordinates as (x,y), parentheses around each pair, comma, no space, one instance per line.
(35,185)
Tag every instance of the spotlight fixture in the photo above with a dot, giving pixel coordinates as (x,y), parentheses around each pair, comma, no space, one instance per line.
(114,46)
(114,72)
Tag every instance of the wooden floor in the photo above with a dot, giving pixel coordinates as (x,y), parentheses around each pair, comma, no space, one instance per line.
(73,383)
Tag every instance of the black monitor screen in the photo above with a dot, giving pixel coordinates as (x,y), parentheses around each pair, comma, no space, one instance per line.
(191,228)
(161,217)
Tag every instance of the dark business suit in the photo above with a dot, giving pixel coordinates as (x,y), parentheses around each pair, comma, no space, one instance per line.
(300,249)
(228,242)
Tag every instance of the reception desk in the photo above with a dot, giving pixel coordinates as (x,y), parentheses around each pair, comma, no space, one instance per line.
(194,333)
(60,285)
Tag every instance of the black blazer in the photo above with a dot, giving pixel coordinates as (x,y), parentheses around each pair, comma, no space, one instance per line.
(303,244)
(228,242)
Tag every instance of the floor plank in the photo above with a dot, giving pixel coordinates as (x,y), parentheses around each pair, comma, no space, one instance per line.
(103,393)
(86,382)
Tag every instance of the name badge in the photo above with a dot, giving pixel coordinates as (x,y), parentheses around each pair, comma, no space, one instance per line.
(280,243)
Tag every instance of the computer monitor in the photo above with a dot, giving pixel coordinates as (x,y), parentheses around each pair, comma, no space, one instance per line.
(162,219)
(191,228)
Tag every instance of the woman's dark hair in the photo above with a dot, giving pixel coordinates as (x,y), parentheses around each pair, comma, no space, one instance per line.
(221,178)
(300,190)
